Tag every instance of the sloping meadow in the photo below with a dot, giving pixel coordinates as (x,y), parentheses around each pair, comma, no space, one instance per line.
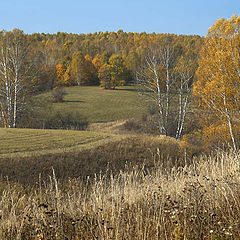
(107,155)
(149,199)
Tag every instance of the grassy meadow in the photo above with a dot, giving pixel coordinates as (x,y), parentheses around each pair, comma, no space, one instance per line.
(24,142)
(99,105)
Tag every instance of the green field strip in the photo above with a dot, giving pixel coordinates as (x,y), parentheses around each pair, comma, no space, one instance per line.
(48,141)
(97,105)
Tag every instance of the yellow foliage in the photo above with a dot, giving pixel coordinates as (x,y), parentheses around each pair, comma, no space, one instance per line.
(218,135)
(218,86)
(60,71)
(98,61)
(67,77)
(219,65)
(88,58)
(193,144)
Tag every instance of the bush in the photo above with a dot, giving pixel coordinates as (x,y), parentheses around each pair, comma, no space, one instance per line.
(146,124)
(58,95)
(56,120)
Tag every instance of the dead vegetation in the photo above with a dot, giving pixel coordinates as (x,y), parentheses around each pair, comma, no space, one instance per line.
(79,164)
(199,201)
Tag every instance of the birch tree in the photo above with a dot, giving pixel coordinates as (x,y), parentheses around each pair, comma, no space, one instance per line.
(157,78)
(6,87)
(79,69)
(185,71)
(166,79)
(218,87)
(13,50)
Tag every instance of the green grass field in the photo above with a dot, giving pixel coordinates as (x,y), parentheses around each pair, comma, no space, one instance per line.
(24,142)
(99,105)
(91,103)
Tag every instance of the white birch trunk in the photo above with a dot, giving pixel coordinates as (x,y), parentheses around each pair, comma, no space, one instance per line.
(183,103)
(184,112)
(180,111)
(13,52)
(229,121)
(3,118)
(159,101)
(8,92)
(167,101)
(15,103)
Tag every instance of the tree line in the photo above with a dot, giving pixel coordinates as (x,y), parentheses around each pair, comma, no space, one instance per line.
(35,63)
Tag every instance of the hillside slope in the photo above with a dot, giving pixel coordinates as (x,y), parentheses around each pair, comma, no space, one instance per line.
(25,142)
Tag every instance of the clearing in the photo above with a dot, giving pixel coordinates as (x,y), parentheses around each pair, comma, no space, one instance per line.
(98,105)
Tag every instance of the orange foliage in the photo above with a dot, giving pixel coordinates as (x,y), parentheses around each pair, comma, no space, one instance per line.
(60,71)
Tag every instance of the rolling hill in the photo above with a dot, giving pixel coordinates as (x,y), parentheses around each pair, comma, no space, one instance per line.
(25,142)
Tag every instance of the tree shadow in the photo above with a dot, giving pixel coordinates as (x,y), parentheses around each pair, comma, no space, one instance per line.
(74,101)
(127,90)
(140,90)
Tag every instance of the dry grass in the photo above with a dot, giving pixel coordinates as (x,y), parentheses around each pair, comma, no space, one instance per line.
(81,163)
(113,127)
(199,201)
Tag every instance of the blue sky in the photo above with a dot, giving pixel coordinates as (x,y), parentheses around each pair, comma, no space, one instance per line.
(88,16)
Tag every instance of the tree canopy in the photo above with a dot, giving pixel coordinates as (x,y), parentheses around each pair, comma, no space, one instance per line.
(218,85)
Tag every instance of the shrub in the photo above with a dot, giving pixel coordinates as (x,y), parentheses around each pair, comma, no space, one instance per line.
(58,95)
(145,125)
